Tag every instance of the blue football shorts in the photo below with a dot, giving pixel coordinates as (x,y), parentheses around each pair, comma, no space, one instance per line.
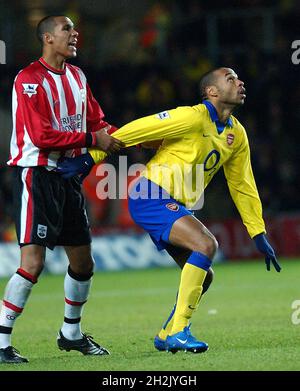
(153,209)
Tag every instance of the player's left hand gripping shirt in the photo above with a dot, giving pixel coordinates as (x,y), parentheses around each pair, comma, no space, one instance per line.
(190,138)
(52,111)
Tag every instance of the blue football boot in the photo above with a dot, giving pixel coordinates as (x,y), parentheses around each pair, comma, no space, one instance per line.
(184,341)
(159,344)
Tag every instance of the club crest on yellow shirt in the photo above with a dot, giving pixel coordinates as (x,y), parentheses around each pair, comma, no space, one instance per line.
(230,138)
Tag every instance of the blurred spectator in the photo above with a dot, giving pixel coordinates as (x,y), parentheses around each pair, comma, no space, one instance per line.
(155,92)
(155,29)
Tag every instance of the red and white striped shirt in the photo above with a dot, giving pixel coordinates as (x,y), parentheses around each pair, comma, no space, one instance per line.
(52,111)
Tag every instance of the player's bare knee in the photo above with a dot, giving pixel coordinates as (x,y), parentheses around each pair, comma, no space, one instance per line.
(83,266)
(34,266)
(33,259)
(209,246)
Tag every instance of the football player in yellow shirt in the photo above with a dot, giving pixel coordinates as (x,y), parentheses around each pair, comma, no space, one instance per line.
(208,135)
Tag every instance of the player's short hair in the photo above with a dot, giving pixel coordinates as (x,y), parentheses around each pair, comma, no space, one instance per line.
(208,79)
(46,25)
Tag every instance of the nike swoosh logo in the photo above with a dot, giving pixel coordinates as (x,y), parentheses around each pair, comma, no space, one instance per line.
(192,308)
(182,341)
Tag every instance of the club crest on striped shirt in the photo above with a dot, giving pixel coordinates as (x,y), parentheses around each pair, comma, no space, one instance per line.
(42,231)
(172,206)
(230,138)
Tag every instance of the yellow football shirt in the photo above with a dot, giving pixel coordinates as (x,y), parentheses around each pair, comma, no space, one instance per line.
(191,141)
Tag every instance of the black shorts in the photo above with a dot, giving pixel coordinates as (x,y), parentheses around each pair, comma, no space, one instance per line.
(49,210)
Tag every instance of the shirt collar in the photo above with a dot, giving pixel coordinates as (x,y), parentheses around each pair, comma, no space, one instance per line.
(214,117)
(50,68)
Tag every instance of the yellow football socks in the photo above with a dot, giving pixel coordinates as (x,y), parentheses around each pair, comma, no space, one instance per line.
(190,289)
(189,294)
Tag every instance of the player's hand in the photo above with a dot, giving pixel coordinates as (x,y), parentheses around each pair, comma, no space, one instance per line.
(264,247)
(107,143)
(80,165)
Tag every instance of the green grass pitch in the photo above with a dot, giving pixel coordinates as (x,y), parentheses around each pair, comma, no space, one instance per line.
(245,318)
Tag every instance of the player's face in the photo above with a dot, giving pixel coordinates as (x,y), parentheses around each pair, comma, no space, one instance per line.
(64,37)
(231,90)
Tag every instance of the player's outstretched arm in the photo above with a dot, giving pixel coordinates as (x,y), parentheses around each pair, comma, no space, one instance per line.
(265,248)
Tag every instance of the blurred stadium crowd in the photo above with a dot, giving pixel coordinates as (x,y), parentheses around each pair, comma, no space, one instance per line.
(149,58)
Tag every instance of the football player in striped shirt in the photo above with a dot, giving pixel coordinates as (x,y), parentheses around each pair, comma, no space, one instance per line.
(54,115)
(206,134)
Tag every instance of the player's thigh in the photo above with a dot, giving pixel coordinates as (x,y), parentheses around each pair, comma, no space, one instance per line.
(188,232)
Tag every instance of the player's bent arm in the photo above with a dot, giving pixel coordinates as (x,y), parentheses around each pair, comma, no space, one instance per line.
(243,190)
(35,112)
